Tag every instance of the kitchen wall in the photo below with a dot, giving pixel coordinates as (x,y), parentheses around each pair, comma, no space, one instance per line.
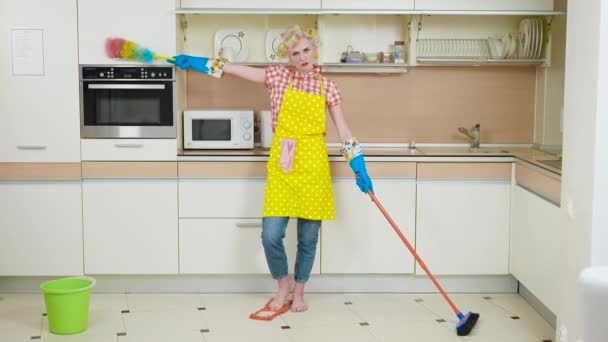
(550,85)
(584,177)
(427,104)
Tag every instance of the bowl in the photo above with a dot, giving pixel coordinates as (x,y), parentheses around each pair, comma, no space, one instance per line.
(371,57)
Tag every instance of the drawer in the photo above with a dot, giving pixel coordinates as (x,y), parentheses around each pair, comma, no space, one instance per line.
(129,149)
(221,198)
(230,246)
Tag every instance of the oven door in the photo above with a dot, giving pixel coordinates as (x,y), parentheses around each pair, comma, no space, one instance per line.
(133,109)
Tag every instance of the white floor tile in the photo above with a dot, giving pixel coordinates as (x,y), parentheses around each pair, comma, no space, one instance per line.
(332,332)
(150,302)
(382,307)
(428,331)
(21,316)
(100,323)
(166,320)
(108,302)
(166,336)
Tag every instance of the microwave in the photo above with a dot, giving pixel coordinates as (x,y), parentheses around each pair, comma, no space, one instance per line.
(218,129)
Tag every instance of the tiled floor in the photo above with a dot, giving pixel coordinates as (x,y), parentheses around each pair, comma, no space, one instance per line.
(331,317)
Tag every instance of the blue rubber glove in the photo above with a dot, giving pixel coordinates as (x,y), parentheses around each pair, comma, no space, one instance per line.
(363,181)
(196,63)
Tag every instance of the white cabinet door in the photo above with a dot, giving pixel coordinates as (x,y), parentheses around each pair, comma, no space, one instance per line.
(361,240)
(41,228)
(130,226)
(368,4)
(230,246)
(462,226)
(245,4)
(536,231)
(150,24)
(221,198)
(484,5)
(40,112)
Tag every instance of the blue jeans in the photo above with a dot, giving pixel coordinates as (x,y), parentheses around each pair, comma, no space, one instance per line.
(273,232)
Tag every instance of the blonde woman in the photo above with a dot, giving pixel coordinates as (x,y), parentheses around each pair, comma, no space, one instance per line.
(299,182)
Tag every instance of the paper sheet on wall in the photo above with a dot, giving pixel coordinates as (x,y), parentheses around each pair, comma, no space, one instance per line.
(27,48)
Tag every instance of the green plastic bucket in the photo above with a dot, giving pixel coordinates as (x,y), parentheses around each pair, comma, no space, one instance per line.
(67,304)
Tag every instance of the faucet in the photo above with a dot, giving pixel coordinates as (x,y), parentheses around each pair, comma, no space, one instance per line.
(473,135)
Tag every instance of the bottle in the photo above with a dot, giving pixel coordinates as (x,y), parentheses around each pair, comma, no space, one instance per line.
(399,51)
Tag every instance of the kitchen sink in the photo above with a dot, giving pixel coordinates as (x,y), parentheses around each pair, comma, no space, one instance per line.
(552,163)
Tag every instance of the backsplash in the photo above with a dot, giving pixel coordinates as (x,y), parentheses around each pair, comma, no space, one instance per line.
(427,104)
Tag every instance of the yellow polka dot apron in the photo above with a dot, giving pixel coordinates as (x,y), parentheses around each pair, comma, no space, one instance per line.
(304,191)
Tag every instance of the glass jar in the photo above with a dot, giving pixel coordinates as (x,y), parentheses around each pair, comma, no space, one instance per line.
(399,51)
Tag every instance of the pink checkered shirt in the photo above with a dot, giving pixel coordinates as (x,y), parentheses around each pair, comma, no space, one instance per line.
(277,81)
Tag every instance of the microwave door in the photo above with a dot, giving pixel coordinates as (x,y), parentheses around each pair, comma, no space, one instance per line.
(212,132)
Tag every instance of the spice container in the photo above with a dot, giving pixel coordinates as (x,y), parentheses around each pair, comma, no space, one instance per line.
(399,51)
(385,57)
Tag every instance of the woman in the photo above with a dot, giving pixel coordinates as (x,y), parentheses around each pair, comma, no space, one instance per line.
(299,181)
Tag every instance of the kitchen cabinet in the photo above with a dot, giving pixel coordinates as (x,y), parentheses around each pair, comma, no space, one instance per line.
(244,4)
(462,217)
(537,228)
(361,240)
(129,149)
(220,210)
(41,228)
(484,5)
(151,24)
(231,246)
(368,4)
(40,113)
(130,217)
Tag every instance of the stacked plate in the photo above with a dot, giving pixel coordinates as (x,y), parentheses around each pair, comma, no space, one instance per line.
(530,38)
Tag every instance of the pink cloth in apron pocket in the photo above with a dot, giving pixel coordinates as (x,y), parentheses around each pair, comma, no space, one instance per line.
(288,147)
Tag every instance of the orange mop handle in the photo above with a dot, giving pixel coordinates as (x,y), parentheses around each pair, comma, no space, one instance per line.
(409,246)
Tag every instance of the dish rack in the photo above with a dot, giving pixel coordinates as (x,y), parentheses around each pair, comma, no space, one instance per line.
(469,51)
(453,48)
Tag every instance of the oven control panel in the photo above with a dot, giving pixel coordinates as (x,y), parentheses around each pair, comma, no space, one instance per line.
(126,73)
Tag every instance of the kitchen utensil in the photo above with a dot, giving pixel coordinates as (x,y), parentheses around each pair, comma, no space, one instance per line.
(121,48)
(354,57)
(466,321)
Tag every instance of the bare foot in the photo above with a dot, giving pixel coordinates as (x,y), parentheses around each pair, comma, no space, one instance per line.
(298,304)
(279,299)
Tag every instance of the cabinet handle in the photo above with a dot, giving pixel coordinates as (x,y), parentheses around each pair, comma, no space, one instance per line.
(249,224)
(129,145)
(31,147)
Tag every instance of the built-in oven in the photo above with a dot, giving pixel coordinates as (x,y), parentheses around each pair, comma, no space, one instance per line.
(127,101)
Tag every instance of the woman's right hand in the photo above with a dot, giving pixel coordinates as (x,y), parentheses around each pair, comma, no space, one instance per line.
(196,63)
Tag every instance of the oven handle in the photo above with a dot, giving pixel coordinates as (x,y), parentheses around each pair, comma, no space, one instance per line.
(126,86)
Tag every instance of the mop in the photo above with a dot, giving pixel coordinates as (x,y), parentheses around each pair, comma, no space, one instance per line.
(466,322)
(267,314)
(126,49)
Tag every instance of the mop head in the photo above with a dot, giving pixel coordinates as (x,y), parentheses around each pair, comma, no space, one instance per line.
(126,49)
(466,323)
(267,314)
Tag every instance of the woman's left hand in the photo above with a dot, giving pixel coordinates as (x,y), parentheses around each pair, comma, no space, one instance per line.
(364,183)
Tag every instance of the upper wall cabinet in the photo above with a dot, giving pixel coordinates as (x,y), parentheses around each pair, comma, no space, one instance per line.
(259,4)
(484,5)
(148,23)
(368,4)
(38,73)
